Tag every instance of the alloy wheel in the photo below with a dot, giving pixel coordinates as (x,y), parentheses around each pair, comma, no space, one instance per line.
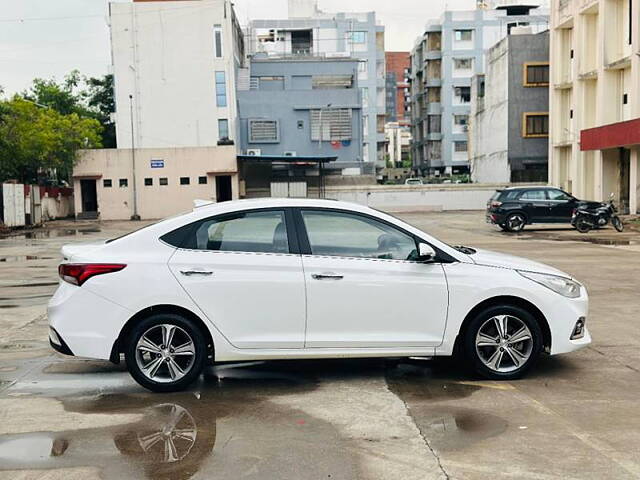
(170,435)
(504,343)
(165,353)
(516,222)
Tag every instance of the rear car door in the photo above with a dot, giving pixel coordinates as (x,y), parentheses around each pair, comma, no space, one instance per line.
(561,205)
(241,269)
(364,287)
(535,205)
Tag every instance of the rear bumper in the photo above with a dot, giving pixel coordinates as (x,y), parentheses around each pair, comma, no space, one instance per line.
(58,343)
(494,218)
(84,324)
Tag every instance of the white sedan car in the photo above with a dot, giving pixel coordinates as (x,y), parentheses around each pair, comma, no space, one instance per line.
(300,278)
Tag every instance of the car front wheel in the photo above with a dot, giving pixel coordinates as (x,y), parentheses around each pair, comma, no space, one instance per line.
(503,342)
(165,352)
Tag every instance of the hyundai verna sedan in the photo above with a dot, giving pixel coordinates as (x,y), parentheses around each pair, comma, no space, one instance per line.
(300,278)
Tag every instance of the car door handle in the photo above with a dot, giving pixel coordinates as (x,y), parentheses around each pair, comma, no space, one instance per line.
(188,273)
(327,276)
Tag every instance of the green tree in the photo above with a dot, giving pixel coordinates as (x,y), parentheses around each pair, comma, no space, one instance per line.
(86,97)
(37,141)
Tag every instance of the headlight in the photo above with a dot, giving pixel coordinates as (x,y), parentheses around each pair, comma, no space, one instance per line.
(563,286)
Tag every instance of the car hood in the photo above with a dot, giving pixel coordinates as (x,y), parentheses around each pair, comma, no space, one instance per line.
(502,260)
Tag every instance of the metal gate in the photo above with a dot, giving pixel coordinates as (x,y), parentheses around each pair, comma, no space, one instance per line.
(13,204)
(289,189)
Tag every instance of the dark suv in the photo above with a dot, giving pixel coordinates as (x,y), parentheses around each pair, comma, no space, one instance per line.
(513,208)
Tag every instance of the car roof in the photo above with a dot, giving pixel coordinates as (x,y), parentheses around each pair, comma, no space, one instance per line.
(275,202)
(533,187)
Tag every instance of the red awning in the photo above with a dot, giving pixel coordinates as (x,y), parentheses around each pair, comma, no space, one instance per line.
(621,134)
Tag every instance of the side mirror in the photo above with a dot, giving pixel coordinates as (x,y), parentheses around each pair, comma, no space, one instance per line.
(425,252)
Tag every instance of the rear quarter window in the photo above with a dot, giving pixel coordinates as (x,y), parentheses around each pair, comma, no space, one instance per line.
(509,195)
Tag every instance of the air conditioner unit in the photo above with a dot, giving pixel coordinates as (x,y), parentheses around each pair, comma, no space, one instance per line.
(254,151)
(290,153)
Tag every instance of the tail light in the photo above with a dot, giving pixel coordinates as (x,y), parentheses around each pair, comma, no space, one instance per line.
(495,204)
(78,273)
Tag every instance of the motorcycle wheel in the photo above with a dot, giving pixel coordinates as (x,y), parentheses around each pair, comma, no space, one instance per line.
(617,223)
(583,225)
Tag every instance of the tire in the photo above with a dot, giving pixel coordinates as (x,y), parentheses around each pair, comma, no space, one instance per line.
(617,223)
(515,222)
(169,368)
(583,225)
(500,359)
(503,227)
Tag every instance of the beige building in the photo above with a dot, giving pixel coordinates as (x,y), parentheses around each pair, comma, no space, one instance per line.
(594,109)
(166,181)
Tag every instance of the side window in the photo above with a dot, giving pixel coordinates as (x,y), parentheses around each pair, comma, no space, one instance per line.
(558,195)
(533,195)
(261,231)
(347,235)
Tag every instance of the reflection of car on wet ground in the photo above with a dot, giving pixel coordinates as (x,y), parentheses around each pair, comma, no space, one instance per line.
(513,208)
(299,278)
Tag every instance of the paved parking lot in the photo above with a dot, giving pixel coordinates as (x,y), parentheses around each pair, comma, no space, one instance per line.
(575,416)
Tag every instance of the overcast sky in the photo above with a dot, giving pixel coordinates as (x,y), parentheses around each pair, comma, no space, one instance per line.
(48,38)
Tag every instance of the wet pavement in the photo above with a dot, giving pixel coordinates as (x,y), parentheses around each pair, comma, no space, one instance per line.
(574,416)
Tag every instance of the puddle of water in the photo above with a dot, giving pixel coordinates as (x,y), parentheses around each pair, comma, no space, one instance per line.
(455,429)
(29,285)
(83,367)
(23,258)
(51,233)
(229,419)
(585,238)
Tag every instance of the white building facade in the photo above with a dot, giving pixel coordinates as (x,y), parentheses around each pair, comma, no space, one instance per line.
(594,143)
(443,62)
(175,65)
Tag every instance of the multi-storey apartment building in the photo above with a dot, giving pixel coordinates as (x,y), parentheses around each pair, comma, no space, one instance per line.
(595,99)
(443,62)
(311,33)
(509,121)
(175,65)
(397,86)
(284,109)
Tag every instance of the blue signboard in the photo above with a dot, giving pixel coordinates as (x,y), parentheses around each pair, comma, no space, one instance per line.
(157,163)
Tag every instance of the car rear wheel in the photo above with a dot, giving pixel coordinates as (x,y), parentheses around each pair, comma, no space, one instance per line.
(515,222)
(165,352)
(503,342)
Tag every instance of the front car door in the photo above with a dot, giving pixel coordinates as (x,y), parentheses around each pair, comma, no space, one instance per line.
(535,205)
(241,271)
(364,286)
(561,205)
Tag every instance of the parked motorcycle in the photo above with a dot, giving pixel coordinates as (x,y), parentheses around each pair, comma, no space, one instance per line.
(585,219)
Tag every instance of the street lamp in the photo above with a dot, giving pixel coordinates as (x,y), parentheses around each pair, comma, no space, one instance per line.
(135,215)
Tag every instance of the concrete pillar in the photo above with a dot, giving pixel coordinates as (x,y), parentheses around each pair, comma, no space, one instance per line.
(597,175)
(634,159)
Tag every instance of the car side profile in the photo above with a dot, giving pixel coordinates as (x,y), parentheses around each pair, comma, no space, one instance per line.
(301,278)
(514,208)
